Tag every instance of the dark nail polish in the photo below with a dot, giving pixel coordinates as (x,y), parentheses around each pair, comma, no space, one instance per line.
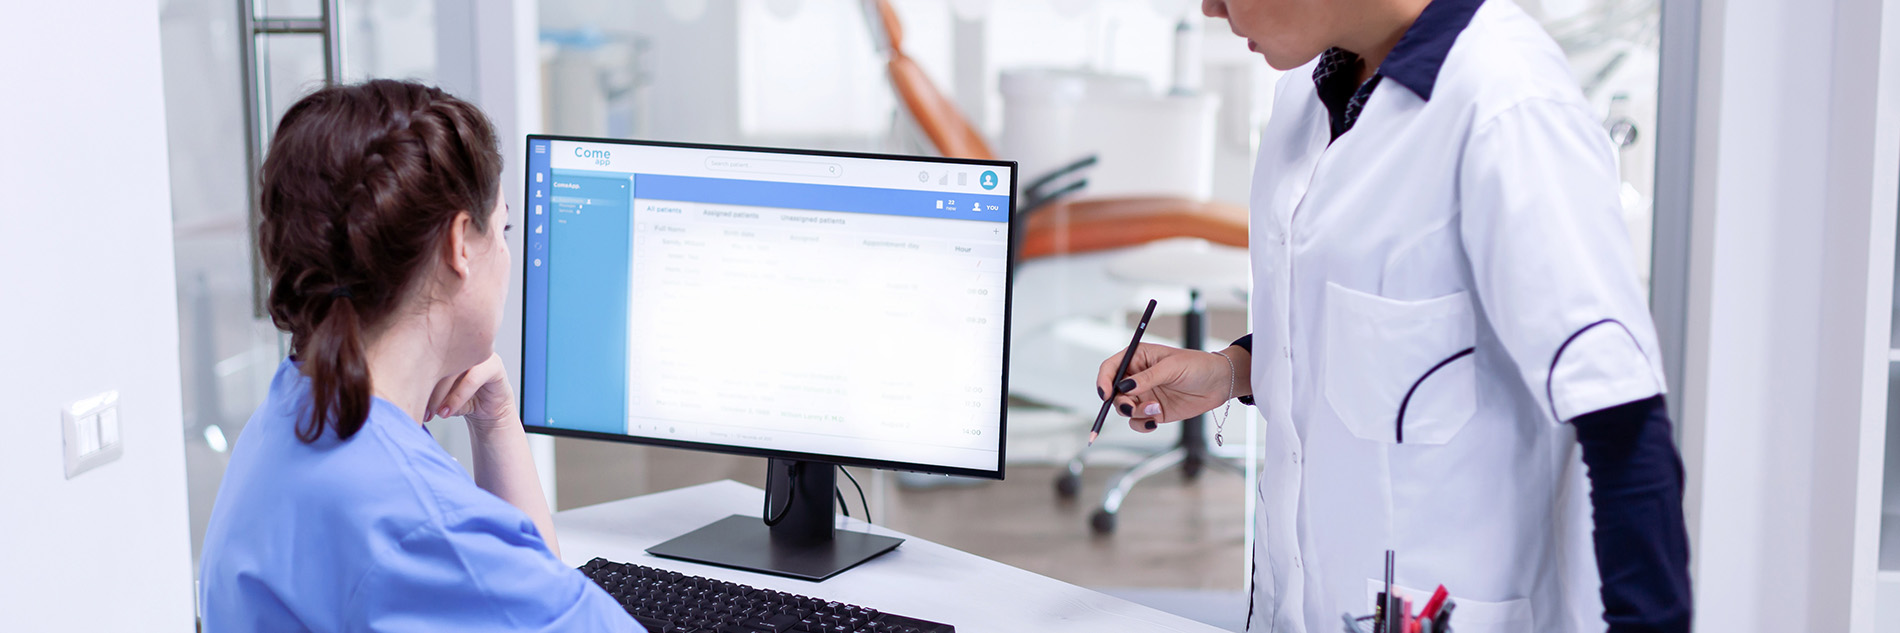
(1099,394)
(1127,410)
(1126,385)
(1151,425)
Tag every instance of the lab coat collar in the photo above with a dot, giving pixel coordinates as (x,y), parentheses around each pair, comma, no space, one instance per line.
(1420,53)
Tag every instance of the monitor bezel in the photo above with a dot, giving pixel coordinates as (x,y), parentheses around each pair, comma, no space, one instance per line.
(1009,297)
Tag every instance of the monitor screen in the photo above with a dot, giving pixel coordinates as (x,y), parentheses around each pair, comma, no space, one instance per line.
(849,308)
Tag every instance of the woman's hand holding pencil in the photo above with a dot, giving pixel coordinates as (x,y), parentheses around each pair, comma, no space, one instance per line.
(1155,384)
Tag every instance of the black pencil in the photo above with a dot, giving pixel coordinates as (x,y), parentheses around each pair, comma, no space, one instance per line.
(1115,386)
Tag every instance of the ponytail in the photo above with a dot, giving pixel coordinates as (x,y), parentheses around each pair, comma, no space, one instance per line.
(339,374)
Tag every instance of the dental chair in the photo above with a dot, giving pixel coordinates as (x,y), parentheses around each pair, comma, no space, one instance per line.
(1059,226)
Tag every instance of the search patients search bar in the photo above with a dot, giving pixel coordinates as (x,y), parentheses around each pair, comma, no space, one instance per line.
(769,166)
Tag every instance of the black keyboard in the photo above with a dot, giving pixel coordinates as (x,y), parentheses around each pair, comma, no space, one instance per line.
(671,602)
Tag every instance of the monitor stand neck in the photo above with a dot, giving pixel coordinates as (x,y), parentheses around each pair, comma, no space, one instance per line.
(803,491)
(803,544)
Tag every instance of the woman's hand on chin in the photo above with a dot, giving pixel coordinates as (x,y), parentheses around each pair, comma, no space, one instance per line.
(481,395)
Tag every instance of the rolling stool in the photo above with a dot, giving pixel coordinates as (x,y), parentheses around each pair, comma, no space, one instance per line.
(1059,219)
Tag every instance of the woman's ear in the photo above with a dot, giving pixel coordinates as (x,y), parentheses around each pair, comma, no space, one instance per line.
(457,252)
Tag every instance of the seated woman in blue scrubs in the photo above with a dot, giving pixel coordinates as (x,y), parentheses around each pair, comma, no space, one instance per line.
(383,233)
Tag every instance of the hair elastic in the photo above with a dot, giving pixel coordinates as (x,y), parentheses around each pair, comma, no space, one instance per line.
(340,292)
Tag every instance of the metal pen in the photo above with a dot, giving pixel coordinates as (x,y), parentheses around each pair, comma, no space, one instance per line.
(1387,601)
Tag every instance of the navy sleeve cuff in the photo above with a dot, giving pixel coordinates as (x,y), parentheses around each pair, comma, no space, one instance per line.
(1642,542)
(1246,343)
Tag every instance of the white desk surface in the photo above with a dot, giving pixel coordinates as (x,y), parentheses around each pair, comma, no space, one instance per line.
(919,579)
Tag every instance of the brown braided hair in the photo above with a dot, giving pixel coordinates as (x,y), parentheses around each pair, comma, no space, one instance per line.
(360,188)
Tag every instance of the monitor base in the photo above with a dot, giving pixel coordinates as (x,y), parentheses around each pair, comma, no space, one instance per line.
(743,542)
(802,541)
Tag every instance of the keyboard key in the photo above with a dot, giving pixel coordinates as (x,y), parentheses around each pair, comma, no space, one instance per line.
(775,623)
(654,625)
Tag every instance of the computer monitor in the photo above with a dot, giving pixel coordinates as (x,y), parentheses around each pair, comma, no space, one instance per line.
(814,308)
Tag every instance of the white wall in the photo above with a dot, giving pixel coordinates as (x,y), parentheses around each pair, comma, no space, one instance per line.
(1790,275)
(87,305)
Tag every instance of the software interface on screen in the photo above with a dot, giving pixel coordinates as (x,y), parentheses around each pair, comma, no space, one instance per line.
(841,306)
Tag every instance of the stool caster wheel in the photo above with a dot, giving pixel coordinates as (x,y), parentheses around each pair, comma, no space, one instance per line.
(1068,484)
(1103,522)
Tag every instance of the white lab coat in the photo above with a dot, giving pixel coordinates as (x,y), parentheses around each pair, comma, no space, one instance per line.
(1485,219)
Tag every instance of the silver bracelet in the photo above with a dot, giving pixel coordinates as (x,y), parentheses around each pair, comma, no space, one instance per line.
(1233,375)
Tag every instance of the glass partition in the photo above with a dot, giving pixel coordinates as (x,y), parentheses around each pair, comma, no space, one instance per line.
(1614,51)
(228,349)
(1021,73)
(815,74)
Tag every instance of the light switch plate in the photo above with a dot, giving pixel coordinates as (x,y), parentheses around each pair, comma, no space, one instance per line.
(90,428)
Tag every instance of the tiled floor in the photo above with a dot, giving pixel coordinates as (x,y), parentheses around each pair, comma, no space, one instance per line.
(1172,533)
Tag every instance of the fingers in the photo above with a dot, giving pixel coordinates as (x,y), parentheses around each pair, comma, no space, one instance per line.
(455,401)
(461,399)
(1146,354)
(1139,400)
(1146,423)
(435,396)
(1162,373)
(1105,376)
(450,405)
(1137,408)
(480,390)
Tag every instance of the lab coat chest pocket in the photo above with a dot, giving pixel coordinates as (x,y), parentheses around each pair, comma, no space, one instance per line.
(1400,371)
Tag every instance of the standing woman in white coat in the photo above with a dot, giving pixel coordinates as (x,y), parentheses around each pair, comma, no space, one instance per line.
(1452,355)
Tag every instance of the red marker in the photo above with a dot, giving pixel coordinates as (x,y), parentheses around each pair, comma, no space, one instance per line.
(1431,606)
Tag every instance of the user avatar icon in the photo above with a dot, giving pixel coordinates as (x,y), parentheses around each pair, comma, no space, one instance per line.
(988,180)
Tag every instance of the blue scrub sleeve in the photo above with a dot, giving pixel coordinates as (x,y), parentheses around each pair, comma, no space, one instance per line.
(479,574)
(1642,541)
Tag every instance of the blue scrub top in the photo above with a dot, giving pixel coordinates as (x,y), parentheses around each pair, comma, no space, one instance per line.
(380,532)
